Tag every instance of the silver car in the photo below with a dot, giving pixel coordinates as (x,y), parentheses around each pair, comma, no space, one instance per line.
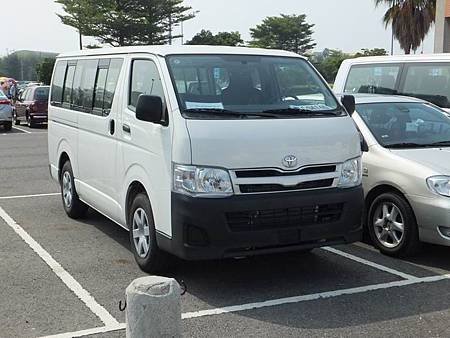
(406,172)
(5,112)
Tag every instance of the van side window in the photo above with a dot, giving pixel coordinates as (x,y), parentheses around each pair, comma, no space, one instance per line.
(145,79)
(77,92)
(430,82)
(67,93)
(111,83)
(374,79)
(58,82)
(99,91)
(88,83)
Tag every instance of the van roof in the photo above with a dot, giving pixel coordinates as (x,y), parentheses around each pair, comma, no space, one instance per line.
(164,50)
(400,58)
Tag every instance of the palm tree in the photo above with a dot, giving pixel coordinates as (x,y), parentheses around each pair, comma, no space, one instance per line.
(411,20)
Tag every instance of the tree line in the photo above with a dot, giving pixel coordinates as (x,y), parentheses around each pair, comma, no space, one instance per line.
(150,22)
(24,65)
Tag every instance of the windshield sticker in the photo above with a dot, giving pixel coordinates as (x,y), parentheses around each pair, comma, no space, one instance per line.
(314,107)
(204,105)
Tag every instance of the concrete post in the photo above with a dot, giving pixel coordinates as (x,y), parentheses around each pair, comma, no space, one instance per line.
(153,308)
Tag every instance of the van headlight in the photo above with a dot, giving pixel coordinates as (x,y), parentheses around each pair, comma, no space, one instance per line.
(201,181)
(439,185)
(351,173)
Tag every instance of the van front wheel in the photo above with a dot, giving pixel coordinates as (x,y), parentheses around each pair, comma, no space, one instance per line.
(143,236)
(73,206)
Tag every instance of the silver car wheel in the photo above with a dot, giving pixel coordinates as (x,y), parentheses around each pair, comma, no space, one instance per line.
(389,225)
(67,189)
(141,232)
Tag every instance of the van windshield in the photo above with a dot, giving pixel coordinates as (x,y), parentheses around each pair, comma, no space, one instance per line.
(242,85)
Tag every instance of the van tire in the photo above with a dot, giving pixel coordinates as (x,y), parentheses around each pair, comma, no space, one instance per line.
(409,243)
(73,206)
(8,126)
(142,233)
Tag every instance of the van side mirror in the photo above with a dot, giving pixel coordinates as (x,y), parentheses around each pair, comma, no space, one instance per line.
(348,101)
(149,108)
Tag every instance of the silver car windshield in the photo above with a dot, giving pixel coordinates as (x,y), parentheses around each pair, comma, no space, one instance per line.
(262,86)
(406,125)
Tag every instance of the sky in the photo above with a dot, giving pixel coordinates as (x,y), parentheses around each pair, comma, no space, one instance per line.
(347,25)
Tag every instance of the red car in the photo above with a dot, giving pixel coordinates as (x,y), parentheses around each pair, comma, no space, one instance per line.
(32,106)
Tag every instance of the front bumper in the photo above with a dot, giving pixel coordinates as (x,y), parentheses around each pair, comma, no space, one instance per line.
(431,213)
(206,228)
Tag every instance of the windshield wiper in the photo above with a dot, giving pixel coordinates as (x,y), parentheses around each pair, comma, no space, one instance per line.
(221,112)
(441,143)
(301,111)
(405,145)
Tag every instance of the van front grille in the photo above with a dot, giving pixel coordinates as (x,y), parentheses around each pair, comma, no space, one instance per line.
(261,188)
(284,218)
(277,173)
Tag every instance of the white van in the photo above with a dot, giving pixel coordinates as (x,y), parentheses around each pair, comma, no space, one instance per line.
(426,77)
(205,152)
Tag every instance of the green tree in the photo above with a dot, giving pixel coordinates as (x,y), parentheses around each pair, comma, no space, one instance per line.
(411,20)
(328,63)
(371,52)
(206,37)
(125,22)
(44,70)
(288,32)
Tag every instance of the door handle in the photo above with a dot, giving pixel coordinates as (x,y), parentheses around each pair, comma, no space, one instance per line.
(112,125)
(126,128)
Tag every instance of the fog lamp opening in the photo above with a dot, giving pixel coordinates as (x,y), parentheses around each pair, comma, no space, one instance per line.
(445,231)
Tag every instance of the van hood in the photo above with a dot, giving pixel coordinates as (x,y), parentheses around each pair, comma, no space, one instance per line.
(264,143)
(436,159)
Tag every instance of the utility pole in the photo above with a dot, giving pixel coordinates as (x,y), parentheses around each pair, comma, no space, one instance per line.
(170,29)
(80,39)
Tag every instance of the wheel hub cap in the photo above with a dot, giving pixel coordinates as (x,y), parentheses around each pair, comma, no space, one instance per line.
(388,223)
(141,232)
(67,189)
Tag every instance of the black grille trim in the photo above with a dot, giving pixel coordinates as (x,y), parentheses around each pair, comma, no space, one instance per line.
(276,173)
(284,218)
(261,188)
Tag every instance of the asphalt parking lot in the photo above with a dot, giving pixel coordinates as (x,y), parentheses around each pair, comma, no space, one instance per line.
(64,277)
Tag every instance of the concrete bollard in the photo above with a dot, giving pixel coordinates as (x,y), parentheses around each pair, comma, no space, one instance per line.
(153,308)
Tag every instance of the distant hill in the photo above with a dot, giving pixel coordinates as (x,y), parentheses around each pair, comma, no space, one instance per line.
(21,65)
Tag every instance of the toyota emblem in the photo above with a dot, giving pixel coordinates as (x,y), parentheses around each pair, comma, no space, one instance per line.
(290,161)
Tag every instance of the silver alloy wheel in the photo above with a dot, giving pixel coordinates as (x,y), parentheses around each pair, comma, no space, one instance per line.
(67,189)
(141,232)
(389,225)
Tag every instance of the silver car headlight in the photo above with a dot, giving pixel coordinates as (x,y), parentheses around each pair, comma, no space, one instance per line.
(201,181)
(439,185)
(351,173)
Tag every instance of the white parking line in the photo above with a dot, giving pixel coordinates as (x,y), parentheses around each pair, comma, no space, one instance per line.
(269,303)
(371,264)
(29,196)
(23,130)
(66,278)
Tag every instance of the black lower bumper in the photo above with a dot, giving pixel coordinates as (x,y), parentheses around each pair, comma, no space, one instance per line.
(206,228)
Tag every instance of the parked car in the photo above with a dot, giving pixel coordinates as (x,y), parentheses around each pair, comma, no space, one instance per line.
(205,152)
(32,106)
(406,172)
(5,112)
(423,76)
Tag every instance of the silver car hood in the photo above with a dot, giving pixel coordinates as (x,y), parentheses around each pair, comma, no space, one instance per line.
(437,159)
